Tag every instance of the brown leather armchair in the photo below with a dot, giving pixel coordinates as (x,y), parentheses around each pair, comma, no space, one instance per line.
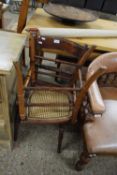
(98,110)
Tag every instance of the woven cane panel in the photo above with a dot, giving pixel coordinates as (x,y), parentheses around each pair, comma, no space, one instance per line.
(49,112)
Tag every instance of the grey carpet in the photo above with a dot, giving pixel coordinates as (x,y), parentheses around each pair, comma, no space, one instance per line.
(34,153)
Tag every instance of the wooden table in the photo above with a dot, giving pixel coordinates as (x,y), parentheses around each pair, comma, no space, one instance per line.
(42,19)
(11,46)
(4,8)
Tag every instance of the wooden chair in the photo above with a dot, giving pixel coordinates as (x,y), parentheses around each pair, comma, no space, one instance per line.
(45,104)
(75,55)
(97,110)
(19,26)
(22,16)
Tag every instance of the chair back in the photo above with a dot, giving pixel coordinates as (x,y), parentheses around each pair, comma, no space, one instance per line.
(62,46)
(78,53)
(22,15)
(109,60)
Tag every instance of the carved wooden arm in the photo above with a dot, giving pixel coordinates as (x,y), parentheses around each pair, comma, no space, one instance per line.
(84,91)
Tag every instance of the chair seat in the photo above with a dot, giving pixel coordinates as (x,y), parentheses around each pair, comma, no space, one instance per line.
(47,112)
(100,135)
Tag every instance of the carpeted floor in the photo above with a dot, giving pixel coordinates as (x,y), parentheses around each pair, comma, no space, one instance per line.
(34,153)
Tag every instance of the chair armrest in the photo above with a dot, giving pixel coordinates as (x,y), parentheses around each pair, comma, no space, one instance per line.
(96,100)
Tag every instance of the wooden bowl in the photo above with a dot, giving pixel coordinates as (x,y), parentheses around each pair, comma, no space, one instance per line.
(69,13)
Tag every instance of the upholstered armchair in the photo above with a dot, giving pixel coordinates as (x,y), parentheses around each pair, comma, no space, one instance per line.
(98,109)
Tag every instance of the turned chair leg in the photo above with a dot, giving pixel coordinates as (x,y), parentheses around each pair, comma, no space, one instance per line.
(84,159)
(60,138)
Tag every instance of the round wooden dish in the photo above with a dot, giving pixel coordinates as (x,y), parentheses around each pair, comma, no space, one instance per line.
(69,13)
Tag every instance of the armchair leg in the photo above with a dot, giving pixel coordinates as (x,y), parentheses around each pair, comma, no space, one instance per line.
(60,138)
(84,159)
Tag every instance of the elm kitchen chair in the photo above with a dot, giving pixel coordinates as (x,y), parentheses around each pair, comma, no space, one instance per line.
(46,104)
(98,109)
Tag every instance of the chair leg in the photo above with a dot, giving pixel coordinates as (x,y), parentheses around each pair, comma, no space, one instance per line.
(16,125)
(84,159)
(60,138)
(1,22)
(23,58)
